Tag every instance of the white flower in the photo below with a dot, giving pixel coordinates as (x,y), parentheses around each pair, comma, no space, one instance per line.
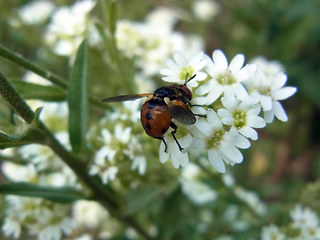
(242,116)
(252,199)
(193,188)
(139,163)
(101,166)
(222,146)
(154,40)
(68,26)
(181,68)
(304,217)
(268,91)
(225,78)
(270,68)
(11,226)
(205,10)
(178,158)
(89,213)
(272,232)
(41,218)
(36,12)
(121,134)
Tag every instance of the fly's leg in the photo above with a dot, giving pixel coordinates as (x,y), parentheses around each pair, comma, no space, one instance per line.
(174,137)
(165,143)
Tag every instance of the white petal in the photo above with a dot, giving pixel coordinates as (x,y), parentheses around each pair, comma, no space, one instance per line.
(172,66)
(255,121)
(240,91)
(284,93)
(236,63)
(178,157)
(279,81)
(279,111)
(224,113)
(166,71)
(266,103)
(205,88)
(180,59)
(216,161)
(249,132)
(204,127)
(220,60)
(231,152)
(200,101)
(164,156)
(198,144)
(242,75)
(200,76)
(214,94)
(239,141)
(229,103)
(269,116)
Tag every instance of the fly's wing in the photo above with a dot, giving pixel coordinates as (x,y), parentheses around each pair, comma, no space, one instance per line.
(180,112)
(123,98)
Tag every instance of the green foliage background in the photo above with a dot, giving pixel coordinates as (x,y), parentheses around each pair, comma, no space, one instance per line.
(282,166)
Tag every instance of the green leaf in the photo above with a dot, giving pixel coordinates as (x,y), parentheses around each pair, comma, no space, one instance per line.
(113,17)
(138,198)
(36,91)
(56,194)
(78,100)
(32,134)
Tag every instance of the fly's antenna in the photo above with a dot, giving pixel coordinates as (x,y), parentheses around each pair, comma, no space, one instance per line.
(188,80)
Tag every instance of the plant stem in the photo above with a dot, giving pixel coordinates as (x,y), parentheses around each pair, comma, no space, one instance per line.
(104,195)
(55,79)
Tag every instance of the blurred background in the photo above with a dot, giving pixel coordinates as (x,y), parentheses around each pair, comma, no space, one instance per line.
(283,166)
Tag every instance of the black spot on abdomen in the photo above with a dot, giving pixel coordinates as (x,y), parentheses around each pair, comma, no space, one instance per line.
(148,115)
(148,126)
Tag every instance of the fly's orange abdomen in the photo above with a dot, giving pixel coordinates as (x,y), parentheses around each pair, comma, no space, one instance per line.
(155,118)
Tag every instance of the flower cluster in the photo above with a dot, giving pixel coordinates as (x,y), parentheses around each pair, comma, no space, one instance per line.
(68,27)
(152,41)
(232,97)
(304,225)
(113,147)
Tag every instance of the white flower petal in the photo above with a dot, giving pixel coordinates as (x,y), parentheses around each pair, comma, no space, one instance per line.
(236,63)
(216,161)
(284,93)
(239,140)
(224,113)
(205,88)
(229,103)
(279,111)
(220,60)
(214,94)
(231,152)
(172,66)
(204,127)
(255,121)
(279,81)
(163,156)
(249,132)
(242,75)
(180,59)
(240,91)
(266,103)
(200,101)
(269,116)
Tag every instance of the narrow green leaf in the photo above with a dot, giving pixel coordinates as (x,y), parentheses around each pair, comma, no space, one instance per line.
(36,91)
(56,194)
(138,198)
(78,100)
(113,17)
